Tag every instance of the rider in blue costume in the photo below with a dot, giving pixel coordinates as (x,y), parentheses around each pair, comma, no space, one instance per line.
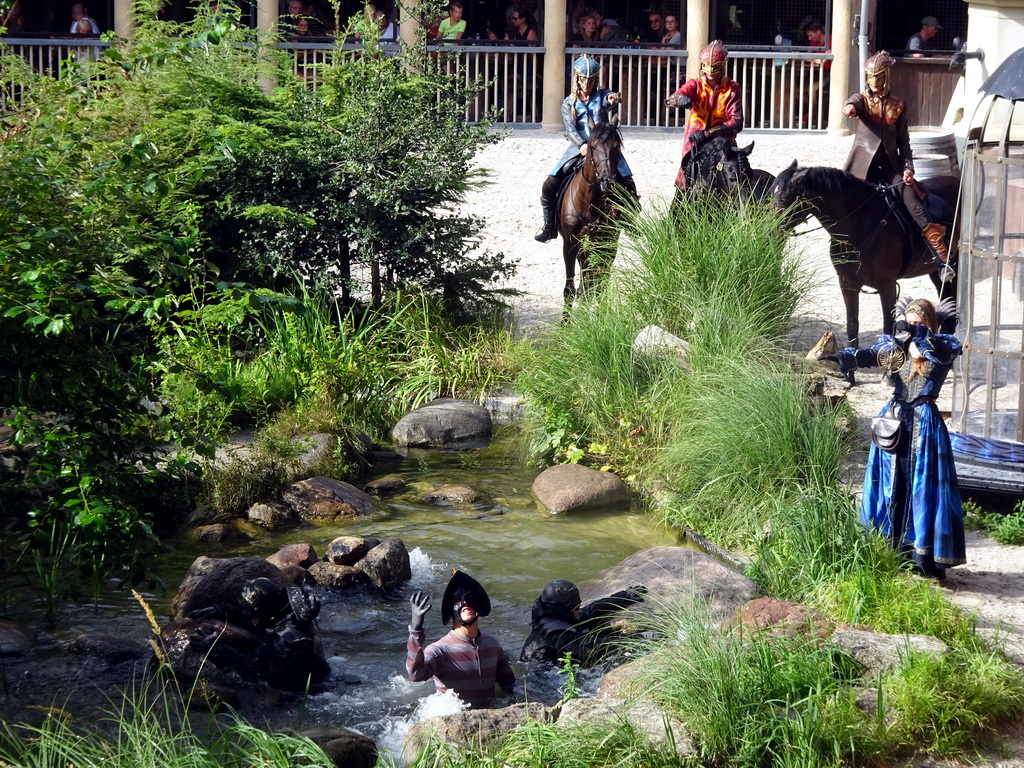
(911,495)
(587,102)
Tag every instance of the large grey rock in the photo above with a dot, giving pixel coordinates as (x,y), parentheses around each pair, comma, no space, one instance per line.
(442,422)
(346,748)
(657,342)
(347,550)
(879,653)
(630,680)
(659,728)
(271,515)
(336,576)
(451,494)
(324,498)
(386,486)
(477,727)
(314,453)
(387,564)
(571,487)
(211,581)
(301,554)
(675,576)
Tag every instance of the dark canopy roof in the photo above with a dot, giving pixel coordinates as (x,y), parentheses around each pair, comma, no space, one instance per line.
(1008,79)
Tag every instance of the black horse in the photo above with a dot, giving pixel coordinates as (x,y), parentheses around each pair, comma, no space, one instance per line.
(719,167)
(587,212)
(874,240)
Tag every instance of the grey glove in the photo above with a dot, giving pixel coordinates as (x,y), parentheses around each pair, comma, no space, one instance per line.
(420,606)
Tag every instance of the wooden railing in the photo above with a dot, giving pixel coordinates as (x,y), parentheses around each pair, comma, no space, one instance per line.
(782,90)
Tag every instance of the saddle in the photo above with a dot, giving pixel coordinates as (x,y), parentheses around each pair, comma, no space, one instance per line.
(568,173)
(938,210)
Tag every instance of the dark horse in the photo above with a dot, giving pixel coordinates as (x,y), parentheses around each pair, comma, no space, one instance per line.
(719,167)
(587,212)
(870,246)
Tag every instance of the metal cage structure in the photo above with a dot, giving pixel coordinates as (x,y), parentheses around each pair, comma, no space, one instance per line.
(987,424)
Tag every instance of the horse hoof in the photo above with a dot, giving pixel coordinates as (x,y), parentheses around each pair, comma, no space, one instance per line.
(948,274)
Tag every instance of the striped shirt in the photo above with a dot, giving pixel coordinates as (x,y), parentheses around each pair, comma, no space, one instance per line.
(470,667)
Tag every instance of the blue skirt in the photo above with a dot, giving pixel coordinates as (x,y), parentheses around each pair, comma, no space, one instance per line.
(912,497)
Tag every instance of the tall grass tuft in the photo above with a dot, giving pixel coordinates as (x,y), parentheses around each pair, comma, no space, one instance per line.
(154,727)
(757,699)
(747,442)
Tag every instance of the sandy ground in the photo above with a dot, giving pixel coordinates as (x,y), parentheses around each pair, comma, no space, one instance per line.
(991,584)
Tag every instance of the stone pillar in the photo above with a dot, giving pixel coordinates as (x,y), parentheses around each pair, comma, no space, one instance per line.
(266,25)
(410,27)
(843,52)
(124,19)
(555,17)
(698,29)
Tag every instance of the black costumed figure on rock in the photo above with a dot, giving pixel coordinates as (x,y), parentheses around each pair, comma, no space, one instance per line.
(881,152)
(269,635)
(911,495)
(587,106)
(559,625)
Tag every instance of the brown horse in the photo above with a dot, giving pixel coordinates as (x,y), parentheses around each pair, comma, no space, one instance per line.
(870,247)
(586,215)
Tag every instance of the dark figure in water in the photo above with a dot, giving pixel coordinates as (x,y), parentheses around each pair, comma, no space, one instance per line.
(559,625)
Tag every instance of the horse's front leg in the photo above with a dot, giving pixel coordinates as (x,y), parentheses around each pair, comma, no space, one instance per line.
(887,295)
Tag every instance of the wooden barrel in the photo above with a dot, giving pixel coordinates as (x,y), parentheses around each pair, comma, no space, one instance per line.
(934,151)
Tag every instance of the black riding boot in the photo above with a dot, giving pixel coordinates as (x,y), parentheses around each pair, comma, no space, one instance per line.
(549,231)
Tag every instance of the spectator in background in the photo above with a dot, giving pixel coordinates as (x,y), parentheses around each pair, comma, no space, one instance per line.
(590,32)
(609,30)
(579,10)
(523,27)
(923,43)
(673,34)
(819,41)
(655,27)
(453,27)
(81,22)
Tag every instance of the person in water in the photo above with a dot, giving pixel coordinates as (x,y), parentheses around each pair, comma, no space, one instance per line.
(559,624)
(466,660)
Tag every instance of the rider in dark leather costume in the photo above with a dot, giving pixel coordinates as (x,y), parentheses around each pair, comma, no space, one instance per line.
(586,103)
(881,152)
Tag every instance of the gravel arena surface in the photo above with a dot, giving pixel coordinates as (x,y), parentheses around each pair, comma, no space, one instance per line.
(991,584)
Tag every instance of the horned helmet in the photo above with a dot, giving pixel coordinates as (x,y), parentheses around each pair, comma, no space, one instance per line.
(877,71)
(712,59)
(586,70)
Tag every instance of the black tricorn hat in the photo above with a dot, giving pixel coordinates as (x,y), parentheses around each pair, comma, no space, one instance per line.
(460,586)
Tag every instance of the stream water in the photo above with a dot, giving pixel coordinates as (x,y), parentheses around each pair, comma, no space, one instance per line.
(506,542)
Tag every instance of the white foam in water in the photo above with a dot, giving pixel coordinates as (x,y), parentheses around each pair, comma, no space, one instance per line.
(423,569)
(392,738)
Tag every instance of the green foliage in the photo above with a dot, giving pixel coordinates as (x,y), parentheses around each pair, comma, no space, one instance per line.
(133,190)
(943,702)
(592,745)
(570,689)
(758,700)
(152,726)
(1005,528)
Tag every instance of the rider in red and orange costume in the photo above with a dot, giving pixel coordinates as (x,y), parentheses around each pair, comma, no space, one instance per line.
(714,101)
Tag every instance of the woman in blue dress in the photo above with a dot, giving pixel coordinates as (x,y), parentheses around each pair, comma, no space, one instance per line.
(911,495)
(586,105)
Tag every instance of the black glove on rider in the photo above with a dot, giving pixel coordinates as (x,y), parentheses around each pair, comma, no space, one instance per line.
(420,602)
(919,332)
(684,101)
(698,137)
(829,358)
